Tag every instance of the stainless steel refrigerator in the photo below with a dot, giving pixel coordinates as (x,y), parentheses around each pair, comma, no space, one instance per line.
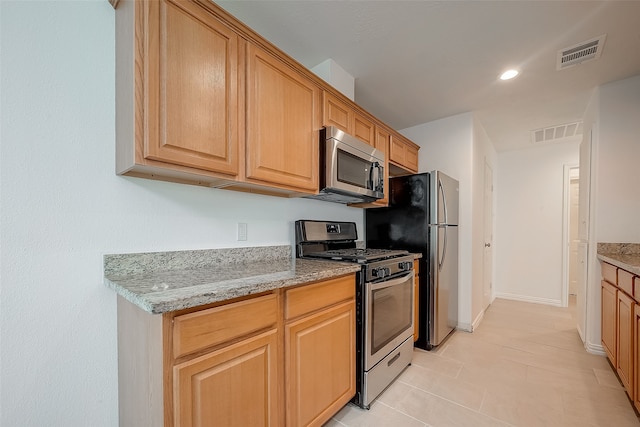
(422,217)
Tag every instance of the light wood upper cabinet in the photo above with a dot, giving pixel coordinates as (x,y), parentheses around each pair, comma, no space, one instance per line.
(202,99)
(383,140)
(364,129)
(178,87)
(403,154)
(336,113)
(340,114)
(283,120)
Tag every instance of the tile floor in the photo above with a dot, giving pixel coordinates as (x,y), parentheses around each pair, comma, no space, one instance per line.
(525,365)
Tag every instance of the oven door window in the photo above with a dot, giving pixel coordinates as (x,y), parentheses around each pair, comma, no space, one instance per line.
(391,310)
(353,170)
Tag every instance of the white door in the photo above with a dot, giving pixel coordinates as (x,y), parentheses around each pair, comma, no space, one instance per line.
(488,237)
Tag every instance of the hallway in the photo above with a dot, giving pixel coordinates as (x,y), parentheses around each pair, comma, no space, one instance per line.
(525,365)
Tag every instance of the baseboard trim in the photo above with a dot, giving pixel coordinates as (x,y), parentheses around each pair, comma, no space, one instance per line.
(477,320)
(466,327)
(535,300)
(596,349)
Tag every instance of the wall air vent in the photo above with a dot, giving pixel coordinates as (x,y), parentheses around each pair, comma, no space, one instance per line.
(579,53)
(558,133)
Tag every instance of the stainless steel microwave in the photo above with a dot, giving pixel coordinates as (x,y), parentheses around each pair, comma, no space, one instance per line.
(351,171)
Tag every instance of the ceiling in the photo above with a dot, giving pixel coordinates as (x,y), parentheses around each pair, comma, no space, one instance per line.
(419,61)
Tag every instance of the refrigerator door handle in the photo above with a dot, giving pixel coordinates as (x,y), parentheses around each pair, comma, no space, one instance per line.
(444,250)
(444,201)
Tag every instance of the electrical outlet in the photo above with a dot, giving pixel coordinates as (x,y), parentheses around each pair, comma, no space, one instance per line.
(242,231)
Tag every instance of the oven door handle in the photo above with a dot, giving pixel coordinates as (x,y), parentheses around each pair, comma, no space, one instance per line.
(389,283)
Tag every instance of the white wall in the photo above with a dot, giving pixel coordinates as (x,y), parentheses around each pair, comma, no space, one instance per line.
(618,159)
(615,182)
(459,147)
(63,208)
(447,145)
(530,213)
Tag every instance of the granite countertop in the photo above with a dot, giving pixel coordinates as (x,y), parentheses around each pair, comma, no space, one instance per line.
(623,255)
(169,281)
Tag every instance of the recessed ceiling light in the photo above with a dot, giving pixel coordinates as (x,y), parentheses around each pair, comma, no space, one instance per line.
(508,75)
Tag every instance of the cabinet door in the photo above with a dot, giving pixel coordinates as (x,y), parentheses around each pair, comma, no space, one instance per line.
(320,365)
(343,116)
(283,119)
(191,88)
(624,348)
(609,319)
(403,153)
(336,113)
(364,129)
(234,386)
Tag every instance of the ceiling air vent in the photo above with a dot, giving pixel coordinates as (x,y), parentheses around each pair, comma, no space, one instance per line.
(581,52)
(558,133)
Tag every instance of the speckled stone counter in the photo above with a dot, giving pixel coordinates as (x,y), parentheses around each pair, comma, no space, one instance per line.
(168,281)
(622,255)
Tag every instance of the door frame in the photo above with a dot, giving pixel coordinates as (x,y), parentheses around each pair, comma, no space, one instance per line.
(566,242)
(488,295)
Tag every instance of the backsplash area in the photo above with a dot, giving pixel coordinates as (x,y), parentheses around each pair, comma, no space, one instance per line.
(619,248)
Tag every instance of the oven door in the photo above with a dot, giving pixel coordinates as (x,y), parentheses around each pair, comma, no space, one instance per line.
(389,316)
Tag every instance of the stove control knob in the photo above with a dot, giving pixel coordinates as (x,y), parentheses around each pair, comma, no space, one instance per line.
(380,272)
(406,265)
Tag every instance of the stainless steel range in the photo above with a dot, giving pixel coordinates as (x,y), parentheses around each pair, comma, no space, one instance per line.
(384,302)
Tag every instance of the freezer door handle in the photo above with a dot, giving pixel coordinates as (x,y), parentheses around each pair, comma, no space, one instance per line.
(444,201)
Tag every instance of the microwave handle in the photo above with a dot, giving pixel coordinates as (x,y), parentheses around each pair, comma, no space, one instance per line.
(380,180)
(377,184)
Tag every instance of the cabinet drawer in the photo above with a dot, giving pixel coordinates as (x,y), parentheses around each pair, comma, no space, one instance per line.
(625,281)
(206,328)
(609,273)
(306,299)
(636,291)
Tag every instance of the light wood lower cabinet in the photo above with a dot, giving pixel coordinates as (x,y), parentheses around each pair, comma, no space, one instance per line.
(234,386)
(319,351)
(624,347)
(285,358)
(224,365)
(621,326)
(609,302)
